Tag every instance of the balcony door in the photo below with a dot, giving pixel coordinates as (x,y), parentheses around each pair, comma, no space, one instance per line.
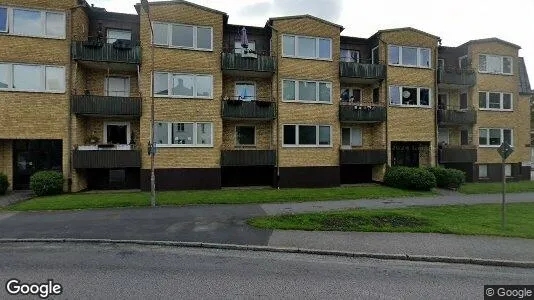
(115,34)
(442,101)
(117,133)
(245,91)
(117,86)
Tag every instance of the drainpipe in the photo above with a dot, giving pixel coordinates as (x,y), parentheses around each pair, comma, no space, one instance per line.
(69,111)
(436,134)
(388,163)
(276,105)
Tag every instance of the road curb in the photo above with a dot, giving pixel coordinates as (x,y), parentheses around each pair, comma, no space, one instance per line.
(420,258)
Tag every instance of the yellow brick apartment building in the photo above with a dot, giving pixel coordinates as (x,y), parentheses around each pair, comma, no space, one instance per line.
(292,104)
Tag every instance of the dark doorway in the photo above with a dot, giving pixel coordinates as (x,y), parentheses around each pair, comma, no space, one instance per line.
(247,176)
(351,174)
(117,134)
(405,153)
(113,179)
(30,156)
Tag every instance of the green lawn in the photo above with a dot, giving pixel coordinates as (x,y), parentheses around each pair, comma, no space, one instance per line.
(237,196)
(495,187)
(483,219)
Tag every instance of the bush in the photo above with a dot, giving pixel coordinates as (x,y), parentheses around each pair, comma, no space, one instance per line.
(419,179)
(448,178)
(4,184)
(46,183)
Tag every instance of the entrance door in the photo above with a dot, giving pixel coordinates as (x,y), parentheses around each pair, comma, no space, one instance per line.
(405,154)
(30,156)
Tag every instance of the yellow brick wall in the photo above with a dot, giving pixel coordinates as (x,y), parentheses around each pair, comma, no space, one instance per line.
(184,61)
(411,124)
(264,89)
(518,119)
(95,81)
(6,160)
(264,135)
(302,113)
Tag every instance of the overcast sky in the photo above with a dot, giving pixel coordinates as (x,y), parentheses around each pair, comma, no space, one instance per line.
(455,21)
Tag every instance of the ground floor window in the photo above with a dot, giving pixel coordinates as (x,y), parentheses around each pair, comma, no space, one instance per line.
(351,136)
(482,171)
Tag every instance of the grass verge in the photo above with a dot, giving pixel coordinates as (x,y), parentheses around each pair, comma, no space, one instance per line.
(238,196)
(483,219)
(495,187)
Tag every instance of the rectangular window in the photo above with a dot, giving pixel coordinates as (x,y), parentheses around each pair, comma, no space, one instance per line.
(410,56)
(463,100)
(463,62)
(307,135)
(375,55)
(495,101)
(245,91)
(307,91)
(482,171)
(183,134)
(35,23)
(376,95)
(410,96)
(3,19)
(114,34)
(508,170)
(495,64)
(307,47)
(117,86)
(351,95)
(183,85)
(238,48)
(351,136)
(494,137)
(464,137)
(32,78)
(245,135)
(183,36)
(350,55)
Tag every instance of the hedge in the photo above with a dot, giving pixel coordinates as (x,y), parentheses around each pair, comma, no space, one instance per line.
(448,178)
(4,184)
(419,179)
(46,183)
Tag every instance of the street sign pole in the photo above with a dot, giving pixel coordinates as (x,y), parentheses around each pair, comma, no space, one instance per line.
(504,151)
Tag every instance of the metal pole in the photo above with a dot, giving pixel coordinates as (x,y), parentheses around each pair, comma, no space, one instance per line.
(503,220)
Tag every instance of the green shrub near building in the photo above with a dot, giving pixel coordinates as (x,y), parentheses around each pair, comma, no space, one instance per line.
(448,178)
(4,184)
(46,183)
(419,179)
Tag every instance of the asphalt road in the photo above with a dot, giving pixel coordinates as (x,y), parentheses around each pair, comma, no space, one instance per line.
(147,272)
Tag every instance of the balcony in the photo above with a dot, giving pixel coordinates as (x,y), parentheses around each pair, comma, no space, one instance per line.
(233,158)
(457,154)
(259,109)
(362,73)
(257,64)
(453,78)
(105,158)
(454,116)
(118,55)
(361,113)
(90,105)
(363,157)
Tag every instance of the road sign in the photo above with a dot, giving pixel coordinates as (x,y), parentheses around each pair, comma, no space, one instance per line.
(505,150)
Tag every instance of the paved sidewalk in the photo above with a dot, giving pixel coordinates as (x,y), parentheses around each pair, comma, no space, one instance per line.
(14,197)
(318,206)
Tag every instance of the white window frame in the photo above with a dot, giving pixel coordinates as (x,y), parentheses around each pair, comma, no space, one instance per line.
(248,83)
(195,135)
(117,30)
(10,21)
(374,59)
(444,129)
(255,136)
(418,57)
(316,57)
(297,144)
(501,138)
(501,101)
(7,20)
(501,57)
(169,86)
(106,84)
(11,79)
(195,37)
(351,91)
(351,51)
(418,96)
(316,91)
(486,170)
(352,144)
(128,131)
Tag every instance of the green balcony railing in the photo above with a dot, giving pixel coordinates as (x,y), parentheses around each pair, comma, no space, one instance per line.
(459,77)
(106,159)
(361,70)
(257,109)
(248,158)
(103,52)
(363,157)
(105,105)
(259,63)
(457,154)
(361,113)
(457,116)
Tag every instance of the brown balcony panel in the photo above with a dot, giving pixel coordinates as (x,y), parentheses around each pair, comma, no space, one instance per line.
(455,79)
(253,110)
(457,116)
(106,159)
(361,73)
(235,64)
(106,106)
(362,113)
(457,154)
(103,52)
(248,158)
(363,157)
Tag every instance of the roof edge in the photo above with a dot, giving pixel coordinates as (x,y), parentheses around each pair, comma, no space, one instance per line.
(405,28)
(270,20)
(492,39)
(170,2)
